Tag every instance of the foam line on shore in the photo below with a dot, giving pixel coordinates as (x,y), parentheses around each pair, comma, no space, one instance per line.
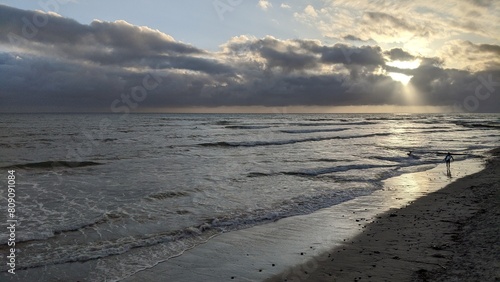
(449,235)
(260,252)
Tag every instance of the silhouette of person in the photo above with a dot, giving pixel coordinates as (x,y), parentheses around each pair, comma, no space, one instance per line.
(448,159)
(411,155)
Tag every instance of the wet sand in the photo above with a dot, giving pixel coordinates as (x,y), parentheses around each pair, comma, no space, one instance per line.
(270,250)
(452,234)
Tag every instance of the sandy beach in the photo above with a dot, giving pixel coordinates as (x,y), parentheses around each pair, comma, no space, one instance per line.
(450,235)
(409,229)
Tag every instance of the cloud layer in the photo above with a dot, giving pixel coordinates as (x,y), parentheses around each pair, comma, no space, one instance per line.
(52,63)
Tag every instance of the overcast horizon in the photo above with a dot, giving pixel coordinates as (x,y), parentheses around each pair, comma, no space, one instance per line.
(250,56)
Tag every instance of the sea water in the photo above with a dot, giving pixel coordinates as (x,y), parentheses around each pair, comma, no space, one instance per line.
(143,188)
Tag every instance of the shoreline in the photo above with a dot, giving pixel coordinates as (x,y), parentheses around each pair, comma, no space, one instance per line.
(449,235)
(269,250)
(261,252)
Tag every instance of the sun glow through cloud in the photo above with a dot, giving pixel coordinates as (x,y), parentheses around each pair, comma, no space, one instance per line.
(405,65)
(403,78)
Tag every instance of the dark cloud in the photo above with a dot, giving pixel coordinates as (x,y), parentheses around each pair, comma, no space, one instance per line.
(38,27)
(127,37)
(300,54)
(30,82)
(188,63)
(399,54)
(494,49)
(100,42)
(470,91)
(288,56)
(67,66)
(431,61)
(351,37)
(288,60)
(341,53)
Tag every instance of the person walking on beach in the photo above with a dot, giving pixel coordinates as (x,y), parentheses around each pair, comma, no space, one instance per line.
(448,159)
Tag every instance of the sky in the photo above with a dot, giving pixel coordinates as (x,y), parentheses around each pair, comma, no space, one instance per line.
(250,56)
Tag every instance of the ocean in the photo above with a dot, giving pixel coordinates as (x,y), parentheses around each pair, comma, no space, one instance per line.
(126,192)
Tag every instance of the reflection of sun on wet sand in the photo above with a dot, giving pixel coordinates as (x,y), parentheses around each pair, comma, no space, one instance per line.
(272,250)
(450,235)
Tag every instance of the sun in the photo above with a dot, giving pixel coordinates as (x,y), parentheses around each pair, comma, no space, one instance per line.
(403,65)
